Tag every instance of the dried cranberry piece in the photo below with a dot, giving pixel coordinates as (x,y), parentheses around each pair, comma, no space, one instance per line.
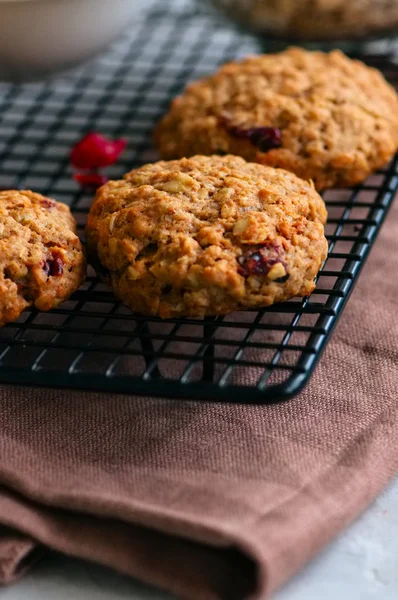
(95,151)
(260,260)
(54,266)
(264,138)
(46,267)
(47,203)
(90,180)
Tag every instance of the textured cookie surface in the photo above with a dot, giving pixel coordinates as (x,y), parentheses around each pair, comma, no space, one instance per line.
(316,19)
(207,235)
(323,116)
(41,257)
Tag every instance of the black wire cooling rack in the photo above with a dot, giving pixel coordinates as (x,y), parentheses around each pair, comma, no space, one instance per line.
(92,341)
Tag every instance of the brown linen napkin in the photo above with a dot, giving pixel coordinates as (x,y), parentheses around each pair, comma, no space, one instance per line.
(209,501)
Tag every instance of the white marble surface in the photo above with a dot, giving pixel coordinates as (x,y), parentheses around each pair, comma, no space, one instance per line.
(362,564)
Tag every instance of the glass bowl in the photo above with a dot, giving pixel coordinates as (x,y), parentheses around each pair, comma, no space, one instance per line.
(41,37)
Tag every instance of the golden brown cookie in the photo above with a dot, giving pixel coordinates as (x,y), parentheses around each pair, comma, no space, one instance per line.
(206,236)
(323,116)
(315,19)
(41,258)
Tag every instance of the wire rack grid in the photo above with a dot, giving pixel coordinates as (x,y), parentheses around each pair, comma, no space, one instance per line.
(92,341)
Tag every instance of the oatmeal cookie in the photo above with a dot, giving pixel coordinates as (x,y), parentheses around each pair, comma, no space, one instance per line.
(315,19)
(207,235)
(41,257)
(322,116)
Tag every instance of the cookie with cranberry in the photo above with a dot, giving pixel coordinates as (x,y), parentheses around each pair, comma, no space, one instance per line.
(207,235)
(322,116)
(41,258)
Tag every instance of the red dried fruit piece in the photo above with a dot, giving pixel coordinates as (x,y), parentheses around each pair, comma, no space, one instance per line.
(90,180)
(47,203)
(260,260)
(264,138)
(95,151)
(53,267)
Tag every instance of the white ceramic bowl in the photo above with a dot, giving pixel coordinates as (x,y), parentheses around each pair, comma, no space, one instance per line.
(38,37)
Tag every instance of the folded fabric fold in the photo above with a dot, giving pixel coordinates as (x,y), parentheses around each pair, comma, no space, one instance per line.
(17,554)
